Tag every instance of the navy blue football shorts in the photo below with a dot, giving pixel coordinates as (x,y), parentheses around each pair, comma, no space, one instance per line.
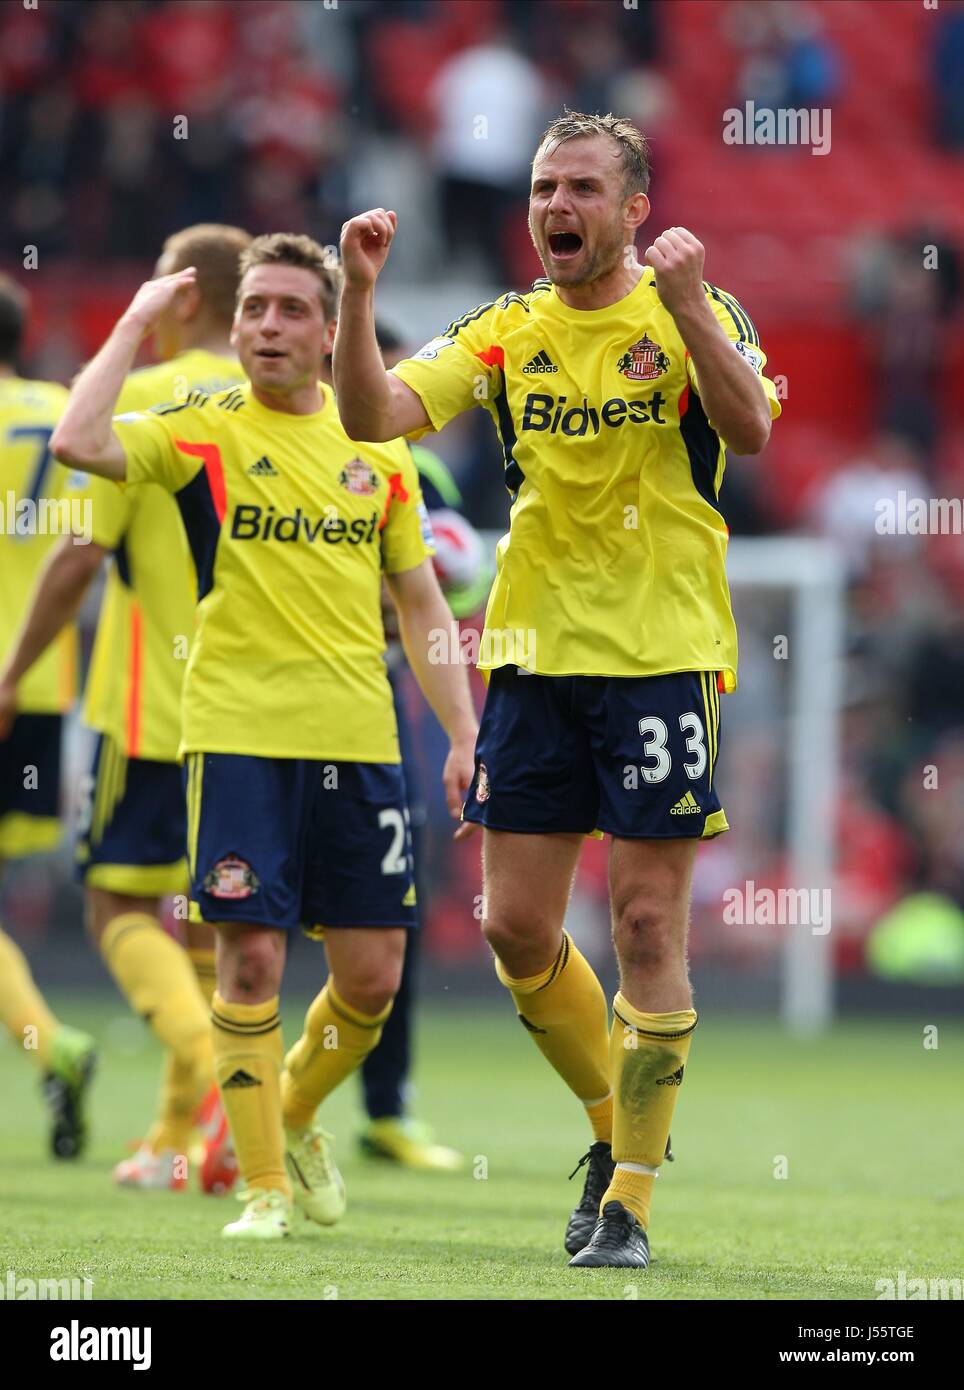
(297,842)
(630,756)
(132,835)
(30,785)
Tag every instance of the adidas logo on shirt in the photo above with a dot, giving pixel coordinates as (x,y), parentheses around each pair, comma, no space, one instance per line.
(686,806)
(541,363)
(264,468)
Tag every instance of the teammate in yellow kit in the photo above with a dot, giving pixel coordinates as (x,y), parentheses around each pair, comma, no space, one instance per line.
(131,845)
(615,387)
(38,499)
(296,802)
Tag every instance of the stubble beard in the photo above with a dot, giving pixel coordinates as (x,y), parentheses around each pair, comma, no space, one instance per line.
(604,259)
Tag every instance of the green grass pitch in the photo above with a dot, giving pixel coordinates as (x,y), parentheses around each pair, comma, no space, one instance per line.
(869,1123)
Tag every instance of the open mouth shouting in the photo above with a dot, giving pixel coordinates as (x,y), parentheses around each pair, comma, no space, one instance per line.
(564,246)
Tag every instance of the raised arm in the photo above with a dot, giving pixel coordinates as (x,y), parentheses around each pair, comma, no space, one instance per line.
(423,613)
(732,395)
(373,404)
(84,438)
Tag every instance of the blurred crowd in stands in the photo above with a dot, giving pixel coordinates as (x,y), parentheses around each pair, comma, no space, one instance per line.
(120,122)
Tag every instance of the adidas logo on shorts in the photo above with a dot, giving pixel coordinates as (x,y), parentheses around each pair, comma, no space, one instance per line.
(686,806)
(540,364)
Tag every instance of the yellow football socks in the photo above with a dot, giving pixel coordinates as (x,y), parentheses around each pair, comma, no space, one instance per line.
(203,960)
(601,1118)
(648,1055)
(247,1059)
(177,1104)
(565,1011)
(156,978)
(336,1039)
(22,1007)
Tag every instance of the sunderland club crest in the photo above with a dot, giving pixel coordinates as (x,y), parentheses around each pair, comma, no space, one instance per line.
(358,478)
(643,361)
(482,784)
(231,877)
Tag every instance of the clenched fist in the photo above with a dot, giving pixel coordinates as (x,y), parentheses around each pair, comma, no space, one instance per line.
(677,258)
(365,240)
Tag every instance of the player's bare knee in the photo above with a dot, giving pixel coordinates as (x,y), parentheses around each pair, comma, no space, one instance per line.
(253,974)
(523,948)
(644,937)
(371,990)
(250,965)
(502,934)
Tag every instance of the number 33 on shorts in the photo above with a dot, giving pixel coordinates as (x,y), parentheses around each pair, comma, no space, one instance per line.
(630,756)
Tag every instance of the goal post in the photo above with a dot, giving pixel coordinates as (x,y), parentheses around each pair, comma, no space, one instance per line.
(811,571)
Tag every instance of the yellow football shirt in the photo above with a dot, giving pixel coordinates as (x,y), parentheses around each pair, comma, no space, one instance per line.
(291,525)
(40,500)
(147,615)
(614,564)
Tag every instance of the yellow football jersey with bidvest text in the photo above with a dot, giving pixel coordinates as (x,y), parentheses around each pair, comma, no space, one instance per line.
(148,611)
(291,525)
(40,500)
(614,564)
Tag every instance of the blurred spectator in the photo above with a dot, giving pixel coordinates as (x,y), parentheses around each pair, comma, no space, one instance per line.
(933,810)
(920,940)
(109,63)
(600,78)
(906,291)
(491,103)
(132,167)
(790,61)
(936,669)
(189,50)
(874,858)
(850,506)
(947,65)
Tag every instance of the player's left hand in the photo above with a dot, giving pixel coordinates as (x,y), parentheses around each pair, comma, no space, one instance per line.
(677,258)
(457,777)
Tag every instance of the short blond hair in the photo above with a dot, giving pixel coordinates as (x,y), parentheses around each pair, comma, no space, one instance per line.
(215,249)
(291,248)
(633,145)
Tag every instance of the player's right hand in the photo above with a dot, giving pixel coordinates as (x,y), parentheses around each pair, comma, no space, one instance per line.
(154,296)
(8,708)
(365,240)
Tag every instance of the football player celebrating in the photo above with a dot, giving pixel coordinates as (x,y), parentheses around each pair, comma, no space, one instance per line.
(615,387)
(133,831)
(295,797)
(30,726)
